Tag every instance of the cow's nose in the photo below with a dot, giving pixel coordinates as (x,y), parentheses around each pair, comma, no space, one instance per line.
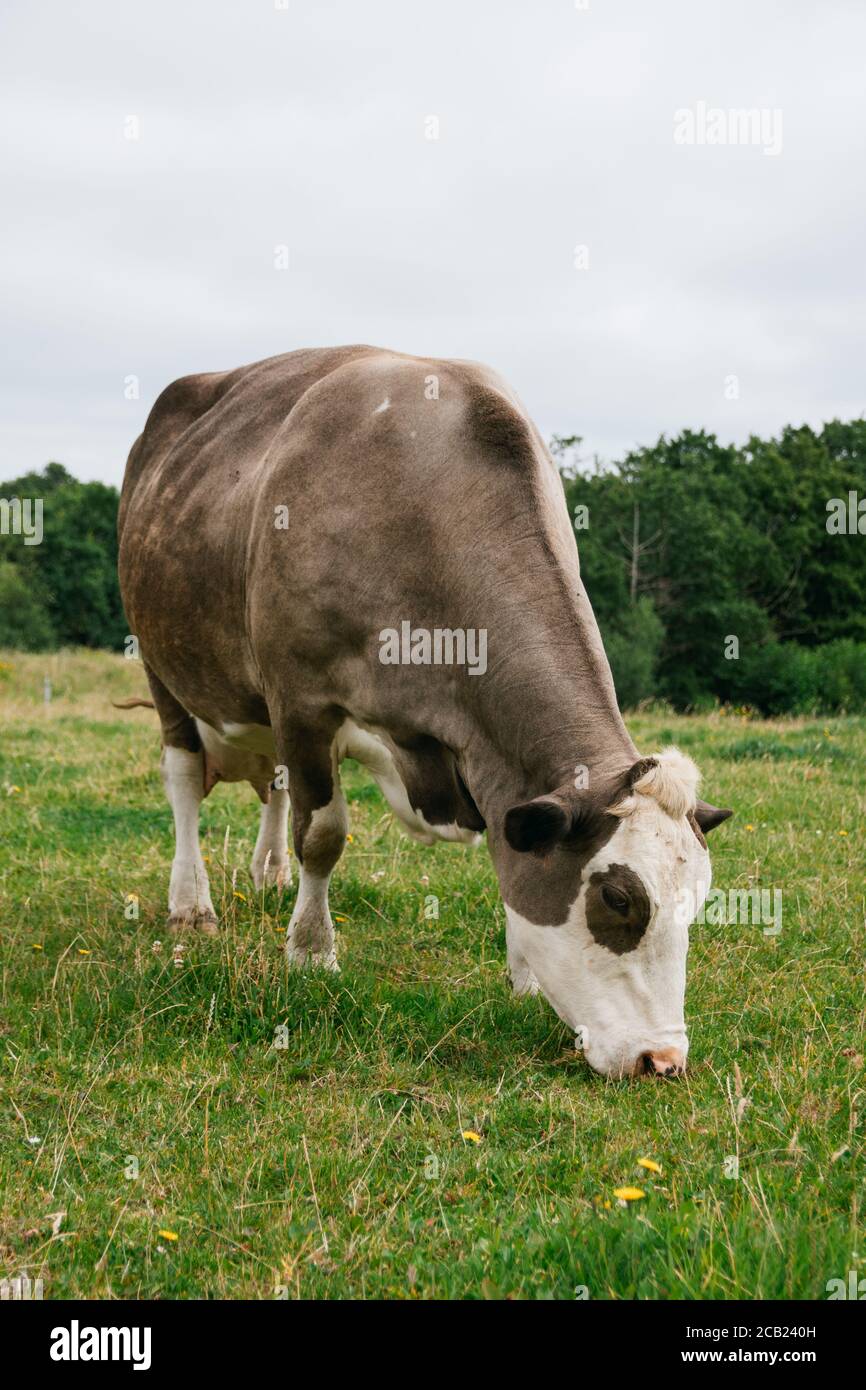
(667,1061)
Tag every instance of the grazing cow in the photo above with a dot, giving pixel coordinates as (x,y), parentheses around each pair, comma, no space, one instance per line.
(351,552)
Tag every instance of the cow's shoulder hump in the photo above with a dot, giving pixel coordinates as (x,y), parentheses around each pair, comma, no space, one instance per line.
(449,395)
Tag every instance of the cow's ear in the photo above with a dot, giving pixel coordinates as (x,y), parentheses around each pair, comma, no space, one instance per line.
(708,817)
(537,826)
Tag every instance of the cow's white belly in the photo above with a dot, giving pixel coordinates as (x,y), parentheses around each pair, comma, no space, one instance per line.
(249,738)
(239,752)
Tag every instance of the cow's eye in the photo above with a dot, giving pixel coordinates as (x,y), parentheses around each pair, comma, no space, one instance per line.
(617,908)
(615,899)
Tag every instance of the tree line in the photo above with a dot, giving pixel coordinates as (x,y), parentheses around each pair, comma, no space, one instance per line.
(717,572)
(729,573)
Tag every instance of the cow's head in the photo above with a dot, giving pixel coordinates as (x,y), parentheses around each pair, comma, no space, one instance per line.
(604,883)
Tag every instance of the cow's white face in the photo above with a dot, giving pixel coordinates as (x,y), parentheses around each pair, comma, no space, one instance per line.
(615,969)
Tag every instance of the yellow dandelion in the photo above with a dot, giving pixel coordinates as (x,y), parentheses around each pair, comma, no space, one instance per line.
(748,827)
(350,839)
(629,1194)
(37,946)
(471,1135)
(240,895)
(168,1235)
(650,1165)
(340,919)
(843,832)
(83,951)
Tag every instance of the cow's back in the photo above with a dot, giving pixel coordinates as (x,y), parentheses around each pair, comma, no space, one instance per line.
(275,518)
(235,411)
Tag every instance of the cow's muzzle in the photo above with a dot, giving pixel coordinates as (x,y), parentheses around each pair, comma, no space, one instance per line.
(667,1062)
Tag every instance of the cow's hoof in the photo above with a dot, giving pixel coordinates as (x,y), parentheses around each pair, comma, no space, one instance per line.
(526,990)
(194,921)
(301,958)
(523,983)
(277,875)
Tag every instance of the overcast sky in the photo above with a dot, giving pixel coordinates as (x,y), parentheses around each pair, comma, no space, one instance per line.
(307,127)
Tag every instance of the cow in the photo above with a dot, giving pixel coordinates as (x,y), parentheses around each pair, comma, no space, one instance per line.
(353,552)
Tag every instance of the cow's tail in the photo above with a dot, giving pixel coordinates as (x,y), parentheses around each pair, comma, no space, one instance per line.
(133,703)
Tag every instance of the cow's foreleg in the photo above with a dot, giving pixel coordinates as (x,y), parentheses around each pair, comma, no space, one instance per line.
(273,840)
(189,901)
(319,825)
(522,979)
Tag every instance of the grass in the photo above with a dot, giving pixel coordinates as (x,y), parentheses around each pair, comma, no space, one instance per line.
(204,1125)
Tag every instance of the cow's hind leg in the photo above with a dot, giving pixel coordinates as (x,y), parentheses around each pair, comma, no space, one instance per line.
(270,864)
(182,767)
(319,825)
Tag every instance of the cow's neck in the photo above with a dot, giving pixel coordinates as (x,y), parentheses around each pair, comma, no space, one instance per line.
(545,714)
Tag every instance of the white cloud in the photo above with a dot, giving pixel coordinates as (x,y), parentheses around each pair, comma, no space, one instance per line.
(306,127)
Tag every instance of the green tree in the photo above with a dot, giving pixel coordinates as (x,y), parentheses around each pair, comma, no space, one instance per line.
(73,572)
(24,621)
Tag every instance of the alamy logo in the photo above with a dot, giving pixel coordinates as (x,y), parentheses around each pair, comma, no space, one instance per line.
(76,1343)
(22,517)
(439,646)
(738,907)
(21,1289)
(711,125)
(846,516)
(854,1289)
